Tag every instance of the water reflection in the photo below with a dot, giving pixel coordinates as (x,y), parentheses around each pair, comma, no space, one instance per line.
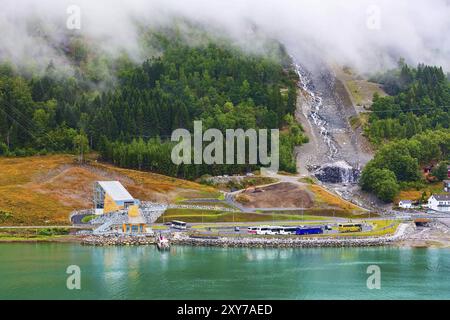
(38,271)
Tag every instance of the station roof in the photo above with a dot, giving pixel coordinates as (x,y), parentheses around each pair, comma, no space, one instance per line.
(116,190)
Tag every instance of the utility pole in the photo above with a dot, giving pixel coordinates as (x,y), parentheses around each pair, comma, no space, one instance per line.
(303,211)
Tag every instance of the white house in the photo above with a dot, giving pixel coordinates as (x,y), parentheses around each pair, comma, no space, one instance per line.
(405,204)
(439,202)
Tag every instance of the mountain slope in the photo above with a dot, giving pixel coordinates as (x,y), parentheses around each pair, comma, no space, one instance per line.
(44,190)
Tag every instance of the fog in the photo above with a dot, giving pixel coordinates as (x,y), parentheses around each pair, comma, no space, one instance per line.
(367,35)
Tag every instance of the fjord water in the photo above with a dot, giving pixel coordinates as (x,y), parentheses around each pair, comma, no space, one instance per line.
(38,271)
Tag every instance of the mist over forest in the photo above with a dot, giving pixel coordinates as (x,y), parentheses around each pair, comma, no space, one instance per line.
(368,35)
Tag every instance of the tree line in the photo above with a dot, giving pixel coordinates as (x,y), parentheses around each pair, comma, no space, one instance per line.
(411,129)
(419,101)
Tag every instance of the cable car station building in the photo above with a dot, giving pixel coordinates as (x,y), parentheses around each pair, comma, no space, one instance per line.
(135,223)
(111,196)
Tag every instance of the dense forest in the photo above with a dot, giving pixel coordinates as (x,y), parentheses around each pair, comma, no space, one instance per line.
(411,127)
(129,118)
(419,100)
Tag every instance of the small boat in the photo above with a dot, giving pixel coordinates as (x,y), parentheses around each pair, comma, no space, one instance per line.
(162,243)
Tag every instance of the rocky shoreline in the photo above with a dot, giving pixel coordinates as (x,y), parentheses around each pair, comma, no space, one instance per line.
(117,240)
(283,243)
(227,242)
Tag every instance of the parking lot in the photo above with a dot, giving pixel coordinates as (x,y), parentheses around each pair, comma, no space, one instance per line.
(242,230)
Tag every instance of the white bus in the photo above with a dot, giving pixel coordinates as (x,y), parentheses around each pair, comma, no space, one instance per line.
(180,225)
(272,230)
(263,230)
(275,230)
(288,230)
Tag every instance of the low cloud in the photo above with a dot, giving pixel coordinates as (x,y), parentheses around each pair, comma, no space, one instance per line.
(368,35)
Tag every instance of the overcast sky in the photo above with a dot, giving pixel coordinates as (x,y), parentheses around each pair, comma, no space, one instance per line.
(362,33)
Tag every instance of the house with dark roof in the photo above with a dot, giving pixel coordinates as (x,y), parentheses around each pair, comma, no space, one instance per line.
(439,202)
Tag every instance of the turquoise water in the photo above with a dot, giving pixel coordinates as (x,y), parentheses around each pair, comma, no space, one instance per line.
(38,271)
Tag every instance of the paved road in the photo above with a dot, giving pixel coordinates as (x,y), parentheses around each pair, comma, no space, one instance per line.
(328,220)
(415,215)
(229,227)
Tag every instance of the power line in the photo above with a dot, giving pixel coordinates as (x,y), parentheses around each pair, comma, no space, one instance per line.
(409,110)
(18,123)
(25,119)
(31,126)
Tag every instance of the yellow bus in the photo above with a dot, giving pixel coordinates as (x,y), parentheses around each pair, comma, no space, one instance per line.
(350,227)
